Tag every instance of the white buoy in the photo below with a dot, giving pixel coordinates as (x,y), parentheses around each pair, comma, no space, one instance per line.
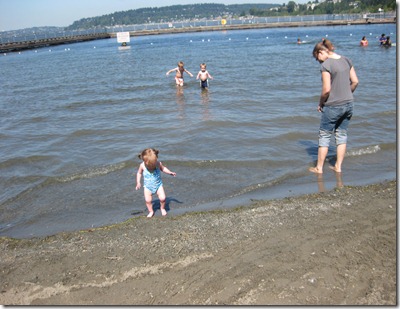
(191,41)
(351,34)
(208,40)
(247,38)
(267,37)
(285,37)
(307,36)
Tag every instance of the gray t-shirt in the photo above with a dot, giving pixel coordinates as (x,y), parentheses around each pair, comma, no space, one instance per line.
(340,80)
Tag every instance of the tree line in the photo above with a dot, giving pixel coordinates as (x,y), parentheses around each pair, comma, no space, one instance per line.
(176,13)
(330,7)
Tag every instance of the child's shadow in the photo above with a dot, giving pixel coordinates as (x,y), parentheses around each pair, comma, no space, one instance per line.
(156,203)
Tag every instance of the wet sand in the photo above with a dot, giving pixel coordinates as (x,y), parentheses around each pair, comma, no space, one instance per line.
(330,248)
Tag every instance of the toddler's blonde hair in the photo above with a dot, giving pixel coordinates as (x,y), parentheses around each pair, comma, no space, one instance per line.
(149,157)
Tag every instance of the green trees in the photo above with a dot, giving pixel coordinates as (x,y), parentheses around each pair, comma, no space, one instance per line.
(213,10)
(353,6)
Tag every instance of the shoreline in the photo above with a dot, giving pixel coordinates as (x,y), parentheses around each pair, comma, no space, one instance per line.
(32,44)
(330,248)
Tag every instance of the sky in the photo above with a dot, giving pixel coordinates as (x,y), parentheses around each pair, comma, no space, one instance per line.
(20,14)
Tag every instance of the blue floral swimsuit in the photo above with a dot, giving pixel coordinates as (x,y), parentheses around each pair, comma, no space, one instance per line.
(152,181)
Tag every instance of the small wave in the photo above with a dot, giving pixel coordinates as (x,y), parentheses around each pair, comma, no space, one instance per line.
(18,161)
(93,172)
(364,151)
(215,164)
(37,182)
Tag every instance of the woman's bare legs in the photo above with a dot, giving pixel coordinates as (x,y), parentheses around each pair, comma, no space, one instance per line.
(322,153)
(340,153)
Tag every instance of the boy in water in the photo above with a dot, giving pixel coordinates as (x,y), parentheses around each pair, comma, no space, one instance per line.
(179,73)
(204,76)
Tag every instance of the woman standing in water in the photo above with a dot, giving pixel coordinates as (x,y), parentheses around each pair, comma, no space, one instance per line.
(339,81)
(364,41)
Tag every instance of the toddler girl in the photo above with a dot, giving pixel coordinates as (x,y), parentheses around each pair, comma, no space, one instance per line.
(151,170)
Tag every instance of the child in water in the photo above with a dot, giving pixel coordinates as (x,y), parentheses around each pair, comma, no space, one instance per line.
(204,76)
(151,170)
(179,73)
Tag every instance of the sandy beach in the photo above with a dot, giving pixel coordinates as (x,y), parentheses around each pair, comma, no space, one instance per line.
(332,248)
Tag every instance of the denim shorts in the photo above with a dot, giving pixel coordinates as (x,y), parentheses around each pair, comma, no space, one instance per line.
(335,119)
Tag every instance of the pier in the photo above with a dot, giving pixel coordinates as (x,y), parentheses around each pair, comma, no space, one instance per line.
(32,44)
(287,24)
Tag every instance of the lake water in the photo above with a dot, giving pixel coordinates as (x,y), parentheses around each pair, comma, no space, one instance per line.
(74,117)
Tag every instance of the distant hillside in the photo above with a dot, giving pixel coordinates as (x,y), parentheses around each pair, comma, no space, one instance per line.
(212,10)
(169,14)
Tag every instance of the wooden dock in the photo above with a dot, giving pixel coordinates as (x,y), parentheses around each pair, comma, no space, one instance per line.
(18,46)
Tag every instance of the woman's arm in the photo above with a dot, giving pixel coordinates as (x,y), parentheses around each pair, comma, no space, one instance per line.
(353,79)
(326,89)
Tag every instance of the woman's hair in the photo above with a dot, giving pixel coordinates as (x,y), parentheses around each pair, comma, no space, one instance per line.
(149,157)
(325,45)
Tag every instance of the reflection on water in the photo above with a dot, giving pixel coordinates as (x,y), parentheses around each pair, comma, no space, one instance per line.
(205,101)
(180,101)
(321,184)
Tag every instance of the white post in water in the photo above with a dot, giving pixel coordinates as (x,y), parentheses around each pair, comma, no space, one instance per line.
(123,38)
